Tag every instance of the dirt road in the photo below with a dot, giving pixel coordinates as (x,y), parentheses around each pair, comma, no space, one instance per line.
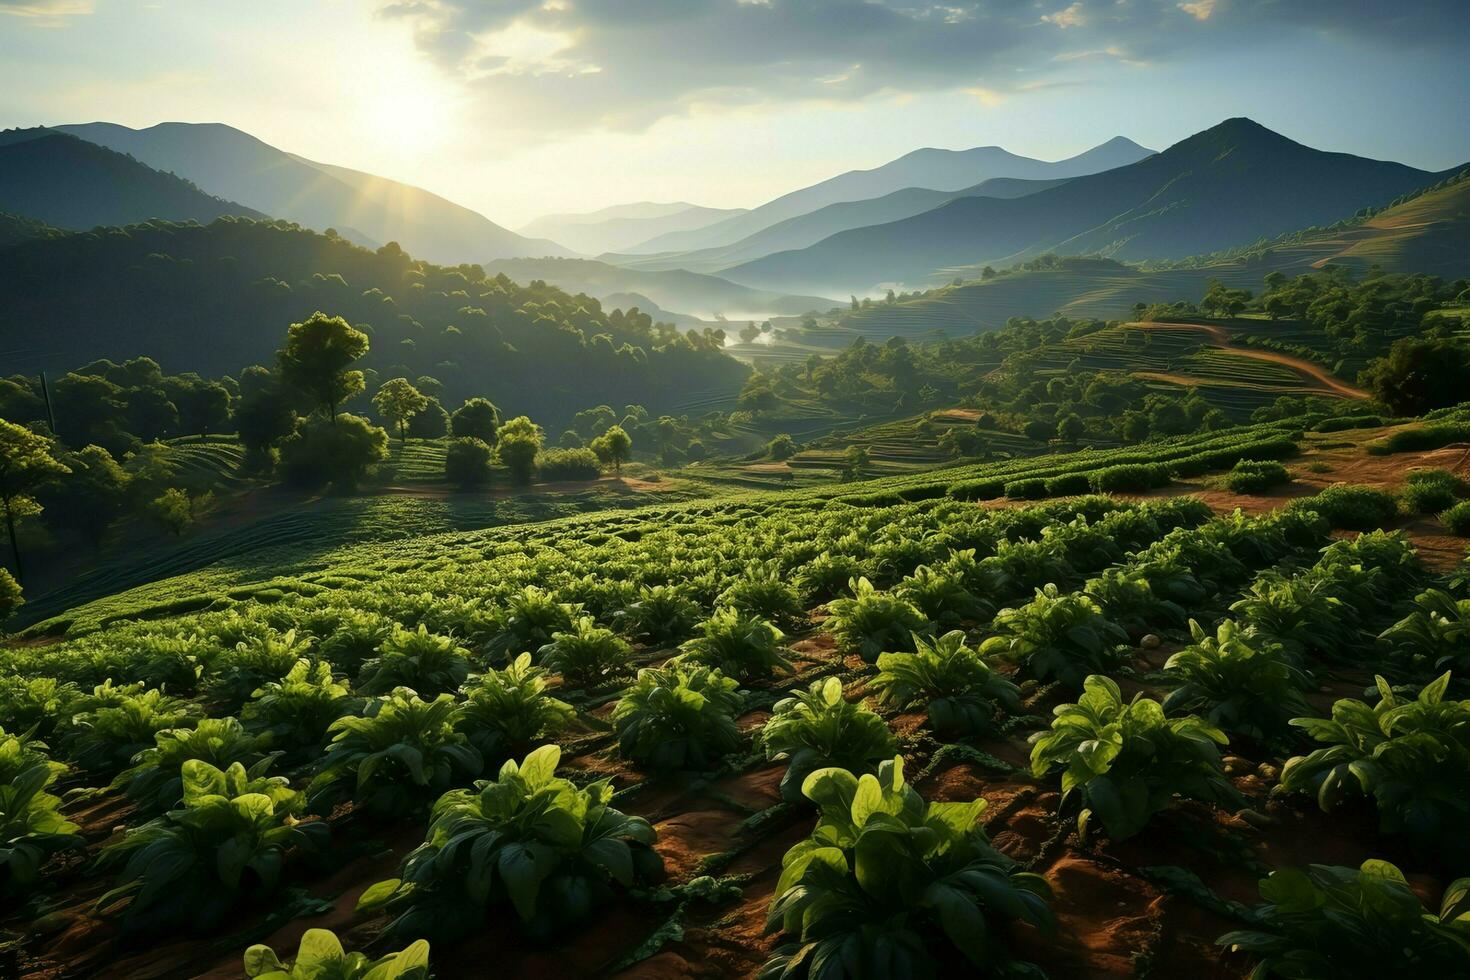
(1221,337)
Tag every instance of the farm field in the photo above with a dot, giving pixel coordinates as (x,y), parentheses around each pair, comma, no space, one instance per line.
(598,624)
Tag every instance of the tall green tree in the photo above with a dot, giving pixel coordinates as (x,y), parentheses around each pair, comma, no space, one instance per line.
(318,357)
(520,441)
(614,446)
(92,496)
(1419,375)
(398,402)
(26,462)
(477,418)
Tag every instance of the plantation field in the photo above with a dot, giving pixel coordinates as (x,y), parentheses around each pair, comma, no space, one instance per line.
(1016,749)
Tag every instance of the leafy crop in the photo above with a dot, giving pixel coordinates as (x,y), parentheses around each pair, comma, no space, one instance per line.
(828,575)
(661,614)
(296,711)
(320,956)
(739,644)
(357,636)
(960,691)
(1055,637)
(1353,507)
(105,739)
(531,617)
(1127,597)
(886,879)
(507,710)
(1411,757)
(528,840)
(766,591)
(1436,634)
(942,597)
(678,717)
(1256,476)
(1354,922)
(872,622)
(1238,680)
(818,728)
(1123,762)
(586,655)
(428,663)
(156,783)
(1304,612)
(254,662)
(31,825)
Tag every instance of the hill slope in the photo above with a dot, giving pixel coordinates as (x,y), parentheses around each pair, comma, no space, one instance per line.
(1227,186)
(364,208)
(70,183)
(943,170)
(624,225)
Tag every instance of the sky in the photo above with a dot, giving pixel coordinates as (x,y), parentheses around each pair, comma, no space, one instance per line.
(518,108)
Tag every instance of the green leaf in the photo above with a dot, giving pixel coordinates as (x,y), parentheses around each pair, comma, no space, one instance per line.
(378,894)
(318,947)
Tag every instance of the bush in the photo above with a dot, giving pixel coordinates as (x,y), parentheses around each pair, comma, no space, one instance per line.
(678,717)
(529,842)
(977,490)
(507,711)
(738,644)
(338,451)
(960,691)
(1431,491)
(477,418)
(1248,476)
(296,711)
(1067,485)
(1125,761)
(1411,757)
(426,662)
(1420,438)
(569,465)
(320,956)
(467,462)
(887,881)
(1129,478)
(11,597)
(1027,489)
(586,655)
(873,622)
(1237,680)
(661,614)
(1457,519)
(1055,637)
(1343,423)
(1352,507)
(818,728)
(1345,922)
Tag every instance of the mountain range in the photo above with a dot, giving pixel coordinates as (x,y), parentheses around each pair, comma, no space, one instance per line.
(1227,186)
(624,225)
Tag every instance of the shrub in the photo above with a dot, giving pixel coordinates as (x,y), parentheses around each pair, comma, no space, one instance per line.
(296,711)
(1343,423)
(1411,757)
(958,689)
(528,841)
(678,717)
(977,490)
(661,614)
(467,462)
(888,880)
(105,739)
(1248,476)
(873,622)
(1435,635)
(1352,507)
(828,575)
(586,655)
(156,783)
(320,956)
(398,754)
(191,867)
(531,617)
(764,591)
(1457,519)
(508,710)
(1431,491)
(1127,597)
(426,662)
(1237,680)
(1055,637)
(1303,612)
(569,465)
(1345,922)
(337,451)
(31,825)
(1129,478)
(11,595)
(738,644)
(941,595)
(1027,489)
(818,728)
(1067,485)
(1125,761)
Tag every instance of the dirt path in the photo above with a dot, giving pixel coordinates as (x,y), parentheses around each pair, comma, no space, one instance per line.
(1220,336)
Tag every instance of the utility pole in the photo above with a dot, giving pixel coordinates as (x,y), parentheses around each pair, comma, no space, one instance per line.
(50,412)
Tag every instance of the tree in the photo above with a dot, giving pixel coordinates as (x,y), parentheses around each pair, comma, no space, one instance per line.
(781,447)
(855,460)
(614,446)
(26,462)
(520,441)
(338,452)
(477,418)
(467,462)
(1037,431)
(203,406)
(1419,375)
(431,423)
(398,402)
(92,496)
(11,597)
(318,358)
(264,415)
(178,510)
(1070,429)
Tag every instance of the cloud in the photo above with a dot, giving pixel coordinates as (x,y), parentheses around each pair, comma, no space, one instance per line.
(46,13)
(561,65)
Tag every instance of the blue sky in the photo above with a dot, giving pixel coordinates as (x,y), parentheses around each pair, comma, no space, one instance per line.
(520,107)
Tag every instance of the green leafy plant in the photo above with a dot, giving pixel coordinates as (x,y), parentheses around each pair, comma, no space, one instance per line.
(1412,758)
(357,636)
(174,663)
(227,844)
(818,728)
(531,617)
(1353,507)
(105,739)
(765,591)
(401,752)
(1354,922)
(254,662)
(1055,637)
(1457,519)
(1431,491)
(943,598)
(529,841)
(829,575)
(508,710)
(886,880)
(1127,597)
(1435,635)
(586,655)
(1238,680)
(320,956)
(1256,476)
(960,691)
(156,783)
(872,622)
(296,710)
(31,825)
(426,662)
(678,717)
(739,644)
(661,614)
(1303,612)
(39,704)
(1124,761)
